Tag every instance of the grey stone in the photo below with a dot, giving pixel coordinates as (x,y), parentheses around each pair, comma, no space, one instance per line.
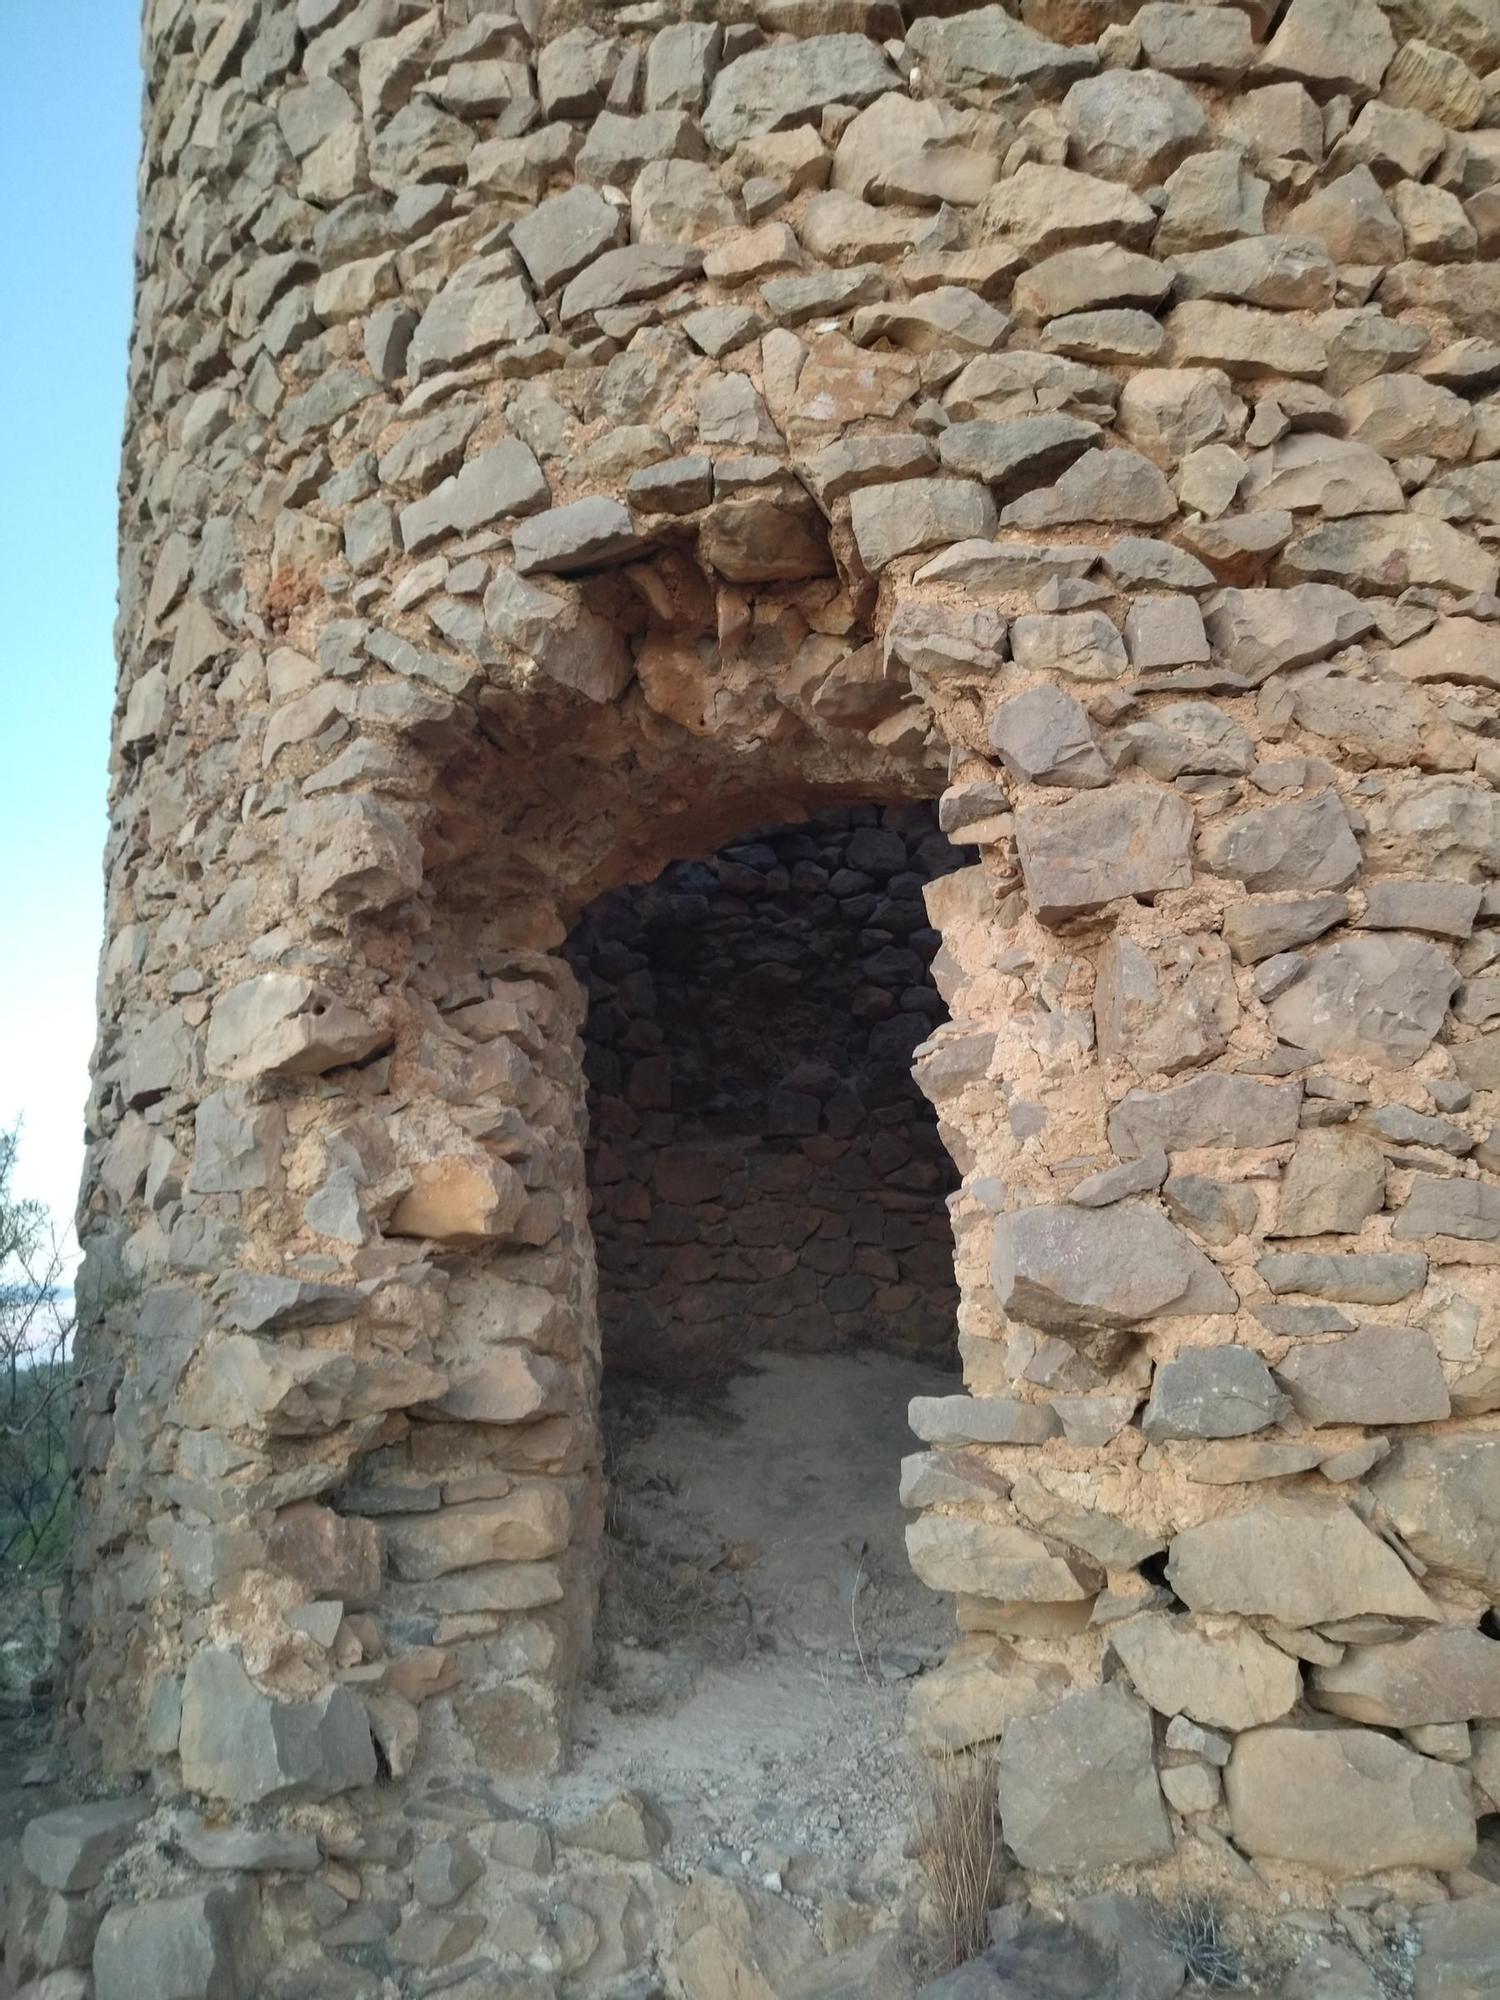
(680,64)
(921,152)
(1352,219)
(1403,1126)
(1284,273)
(996,1560)
(587,534)
(484,305)
(673,486)
(1375,1375)
(1214,1672)
(1132,125)
(623,277)
(1346,1801)
(1067,1269)
(1165,631)
(1116,334)
(910,515)
(1115,1183)
(1013,456)
(1460,1957)
(262,1302)
(241,1745)
(1384,552)
(1450,1675)
(679,202)
(1365,1278)
(1084,645)
(1191,736)
(1044,209)
(1075,281)
(281,1024)
(1307,472)
(70,1849)
(563,234)
(619,146)
(788,83)
(1212,1392)
(841,469)
(200,1946)
(980,1420)
(1210,1110)
(1442,1495)
(501,483)
(1382,997)
(1127,840)
(574,646)
(246,1849)
(1301,1562)
(1043,737)
(1332,45)
(987,45)
(1115,485)
(1164,1011)
(1211,44)
(1256,929)
(1332,1183)
(1216,1211)
(1465,1209)
(1078,1786)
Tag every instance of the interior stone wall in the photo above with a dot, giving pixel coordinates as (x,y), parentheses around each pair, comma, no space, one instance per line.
(559,439)
(763,1170)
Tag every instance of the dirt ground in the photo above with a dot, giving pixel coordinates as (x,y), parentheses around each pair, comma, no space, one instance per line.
(760,1620)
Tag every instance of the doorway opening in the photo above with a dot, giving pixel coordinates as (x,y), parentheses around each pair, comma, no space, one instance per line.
(768,1197)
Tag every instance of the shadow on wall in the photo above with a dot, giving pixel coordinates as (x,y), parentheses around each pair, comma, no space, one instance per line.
(763,1169)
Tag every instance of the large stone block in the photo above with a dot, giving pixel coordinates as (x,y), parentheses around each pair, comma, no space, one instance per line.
(1346,1801)
(1078,1785)
(245,1747)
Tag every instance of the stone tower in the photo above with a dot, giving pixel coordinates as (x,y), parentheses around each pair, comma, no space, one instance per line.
(562,437)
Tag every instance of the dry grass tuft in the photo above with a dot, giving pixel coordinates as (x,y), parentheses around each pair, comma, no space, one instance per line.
(1194,1926)
(959,1846)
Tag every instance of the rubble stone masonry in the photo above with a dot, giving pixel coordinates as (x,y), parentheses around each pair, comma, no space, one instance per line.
(564,440)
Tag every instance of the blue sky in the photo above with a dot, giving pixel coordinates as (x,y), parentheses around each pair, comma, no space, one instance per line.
(69,142)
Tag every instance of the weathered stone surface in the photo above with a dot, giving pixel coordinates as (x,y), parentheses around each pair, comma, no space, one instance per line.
(1348,1802)
(1214,1110)
(1045,209)
(1442,1495)
(1333,1181)
(1363,1278)
(788,84)
(987,45)
(1043,736)
(1331,45)
(1069,1270)
(1450,1675)
(992,1559)
(1383,997)
(1297,1561)
(1078,1785)
(1100,486)
(980,1420)
(980,1689)
(70,1849)
(1132,125)
(1259,929)
(1132,840)
(559,237)
(1305,844)
(921,152)
(282,1024)
(588,534)
(243,1746)
(909,515)
(1217,1671)
(1212,1392)
(482,307)
(1075,281)
(1012,457)
(1081,644)
(1391,552)
(1375,1375)
(203,1945)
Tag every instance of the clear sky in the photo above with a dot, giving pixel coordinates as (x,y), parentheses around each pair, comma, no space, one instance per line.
(69,144)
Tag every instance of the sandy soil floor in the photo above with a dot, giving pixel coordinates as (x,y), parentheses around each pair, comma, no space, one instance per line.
(760,1620)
